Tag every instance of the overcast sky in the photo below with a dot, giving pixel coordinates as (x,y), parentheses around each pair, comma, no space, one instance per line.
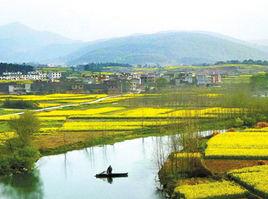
(96,19)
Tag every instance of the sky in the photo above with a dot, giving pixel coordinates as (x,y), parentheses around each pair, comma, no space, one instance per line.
(97,19)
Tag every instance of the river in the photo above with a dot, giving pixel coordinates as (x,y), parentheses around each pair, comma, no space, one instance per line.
(71,175)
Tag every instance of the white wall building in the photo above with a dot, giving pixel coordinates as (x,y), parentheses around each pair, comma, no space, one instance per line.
(35,75)
(54,75)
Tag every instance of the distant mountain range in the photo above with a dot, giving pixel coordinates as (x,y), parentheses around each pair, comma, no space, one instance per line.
(19,43)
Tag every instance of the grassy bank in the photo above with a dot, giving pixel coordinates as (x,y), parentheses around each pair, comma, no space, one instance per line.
(55,143)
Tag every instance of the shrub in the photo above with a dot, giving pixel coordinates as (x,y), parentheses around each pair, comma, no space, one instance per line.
(21,160)
(4,165)
(25,126)
(238,122)
(250,121)
(26,157)
(19,104)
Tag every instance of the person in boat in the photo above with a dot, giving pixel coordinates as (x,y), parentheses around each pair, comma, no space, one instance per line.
(109,170)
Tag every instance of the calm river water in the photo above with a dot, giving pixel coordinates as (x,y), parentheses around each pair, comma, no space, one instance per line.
(71,175)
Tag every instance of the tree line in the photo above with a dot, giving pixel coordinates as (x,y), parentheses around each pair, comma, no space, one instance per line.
(246,61)
(23,68)
(100,66)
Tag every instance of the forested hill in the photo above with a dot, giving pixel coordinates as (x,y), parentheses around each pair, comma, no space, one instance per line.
(167,48)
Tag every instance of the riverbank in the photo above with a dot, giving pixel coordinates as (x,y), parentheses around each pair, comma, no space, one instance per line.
(217,171)
(62,143)
(56,143)
(87,125)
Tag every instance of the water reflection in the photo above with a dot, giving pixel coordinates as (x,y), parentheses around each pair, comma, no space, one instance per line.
(22,186)
(89,153)
(72,175)
(110,180)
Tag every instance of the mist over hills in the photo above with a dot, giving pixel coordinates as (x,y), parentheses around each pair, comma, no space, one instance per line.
(19,43)
(168,48)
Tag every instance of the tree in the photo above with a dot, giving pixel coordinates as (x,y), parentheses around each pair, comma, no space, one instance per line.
(20,155)
(25,126)
(161,83)
(23,68)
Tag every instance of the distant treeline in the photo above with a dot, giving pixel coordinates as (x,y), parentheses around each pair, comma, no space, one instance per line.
(101,66)
(247,61)
(5,67)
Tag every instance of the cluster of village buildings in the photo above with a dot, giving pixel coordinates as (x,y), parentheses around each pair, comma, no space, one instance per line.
(118,82)
(33,75)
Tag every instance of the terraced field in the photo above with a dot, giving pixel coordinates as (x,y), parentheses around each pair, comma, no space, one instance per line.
(224,152)
(238,145)
(144,112)
(85,116)
(254,178)
(216,189)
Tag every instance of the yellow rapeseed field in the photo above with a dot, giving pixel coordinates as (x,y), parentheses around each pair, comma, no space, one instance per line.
(168,112)
(53,97)
(7,117)
(254,177)
(145,112)
(56,118)
(212,95)
(187,155)
(120,98)
(45,105)
(222,189)
(91,112)
(244,145)
(265,129)
(109,125)
(207,112)
(122,112)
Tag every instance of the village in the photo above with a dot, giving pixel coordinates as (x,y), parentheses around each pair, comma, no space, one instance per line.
(38,82)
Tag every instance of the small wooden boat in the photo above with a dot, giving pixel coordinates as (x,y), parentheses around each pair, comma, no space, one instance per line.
(112,175)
